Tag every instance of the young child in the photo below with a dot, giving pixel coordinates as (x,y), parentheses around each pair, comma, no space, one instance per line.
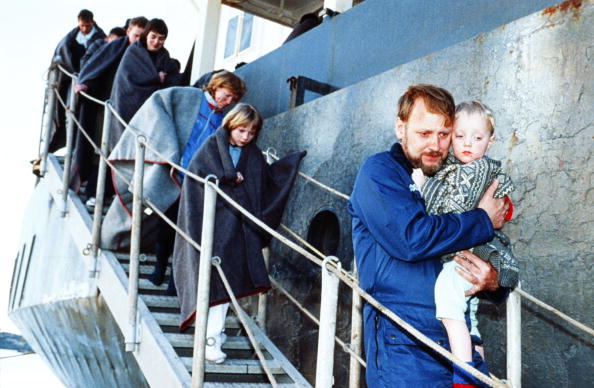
(230,154)
(458,187)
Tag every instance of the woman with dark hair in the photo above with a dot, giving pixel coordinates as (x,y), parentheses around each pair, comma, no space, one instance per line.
(145,68)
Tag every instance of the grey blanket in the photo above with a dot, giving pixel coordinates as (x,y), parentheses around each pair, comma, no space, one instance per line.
(457,188)
(237,241)
(136,79)
(166,120)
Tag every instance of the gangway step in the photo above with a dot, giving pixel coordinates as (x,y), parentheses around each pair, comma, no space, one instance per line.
(244,385)
(237,366)
(160,301)
(144,269)
(187,341)
(124,257)
(170,319)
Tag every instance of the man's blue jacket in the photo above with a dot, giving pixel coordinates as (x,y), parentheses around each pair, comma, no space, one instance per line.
(397,249)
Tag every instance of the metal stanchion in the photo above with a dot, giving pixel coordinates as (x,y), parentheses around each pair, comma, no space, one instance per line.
(514,339)
(100,193)
(203,291)
(132,335)
(356,337)
(328,307)
(263,298)
(49,119)
(73,98)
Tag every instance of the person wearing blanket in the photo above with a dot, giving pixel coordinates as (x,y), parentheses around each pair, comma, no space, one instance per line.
(145,68)
(223,89)
(233,157)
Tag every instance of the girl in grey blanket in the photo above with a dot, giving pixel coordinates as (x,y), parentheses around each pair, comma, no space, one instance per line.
(242,172)
(458,187)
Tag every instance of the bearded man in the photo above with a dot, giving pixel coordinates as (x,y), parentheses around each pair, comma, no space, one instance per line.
(398,245)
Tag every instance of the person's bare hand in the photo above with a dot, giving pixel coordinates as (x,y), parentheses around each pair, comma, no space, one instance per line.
(239,178)
(80,88)
(496,208)
(480,273)
(162,76)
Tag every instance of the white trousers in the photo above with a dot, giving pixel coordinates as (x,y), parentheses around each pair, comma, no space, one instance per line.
(216,320)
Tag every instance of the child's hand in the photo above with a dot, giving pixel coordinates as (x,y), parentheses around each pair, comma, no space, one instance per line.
(239,178)
(418,177)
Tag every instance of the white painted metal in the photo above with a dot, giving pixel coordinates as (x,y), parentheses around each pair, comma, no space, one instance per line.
(73,99)
(132,331)
(203,292)
(263,298)
(49,119)
(100,193)
(356,338)
(338,5)
(328,307)
(209,14)
(514,339)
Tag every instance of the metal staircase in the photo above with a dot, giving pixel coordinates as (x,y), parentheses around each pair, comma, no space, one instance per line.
(242,368)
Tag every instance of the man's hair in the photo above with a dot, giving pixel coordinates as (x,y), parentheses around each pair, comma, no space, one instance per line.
(155,25)
(117,31)
(226,79)
(85,15)
(139,21)
(243,115)
(437,101)
(477,107)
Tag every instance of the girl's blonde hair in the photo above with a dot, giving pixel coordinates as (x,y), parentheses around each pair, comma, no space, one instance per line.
(243,115)
(477,107)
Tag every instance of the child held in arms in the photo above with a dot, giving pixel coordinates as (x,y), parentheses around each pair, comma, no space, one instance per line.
(458,187)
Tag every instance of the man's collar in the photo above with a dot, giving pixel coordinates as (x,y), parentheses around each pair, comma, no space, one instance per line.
(398,154)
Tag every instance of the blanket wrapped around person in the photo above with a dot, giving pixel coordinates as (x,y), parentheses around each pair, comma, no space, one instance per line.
(237,241)
(166,120)
(97,74)
(136,79)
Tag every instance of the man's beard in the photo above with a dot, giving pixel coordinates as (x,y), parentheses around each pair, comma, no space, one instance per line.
(417,162)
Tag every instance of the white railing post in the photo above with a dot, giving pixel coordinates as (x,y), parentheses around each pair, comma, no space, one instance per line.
(73,100)
(514,339)
(203,290)
(132,339)
(49,118)
(356,337)
(100,193)
(263,298)
(328,308)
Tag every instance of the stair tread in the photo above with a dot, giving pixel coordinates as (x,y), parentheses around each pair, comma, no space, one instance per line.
(242,385)
(160,300)
(144,257)
(172,319)
(145,269)
(187,341)
(236,366)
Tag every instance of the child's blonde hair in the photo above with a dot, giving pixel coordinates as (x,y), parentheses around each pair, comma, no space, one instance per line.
(243,115)
(477,107)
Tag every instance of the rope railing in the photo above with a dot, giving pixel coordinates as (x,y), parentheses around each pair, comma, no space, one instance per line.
(343,275)
(216,262)
(313,318)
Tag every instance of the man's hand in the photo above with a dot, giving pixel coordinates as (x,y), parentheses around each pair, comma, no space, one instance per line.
(162,76)
(480,273)
(496,208)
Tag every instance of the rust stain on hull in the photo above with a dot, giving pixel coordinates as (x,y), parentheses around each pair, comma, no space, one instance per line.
(574,5)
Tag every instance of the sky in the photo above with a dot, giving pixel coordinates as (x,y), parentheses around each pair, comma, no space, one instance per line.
(30,30)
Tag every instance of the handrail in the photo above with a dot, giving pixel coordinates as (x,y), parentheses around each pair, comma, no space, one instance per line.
(340,273)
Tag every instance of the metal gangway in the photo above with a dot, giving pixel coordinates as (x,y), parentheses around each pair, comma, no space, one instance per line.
(137,318)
